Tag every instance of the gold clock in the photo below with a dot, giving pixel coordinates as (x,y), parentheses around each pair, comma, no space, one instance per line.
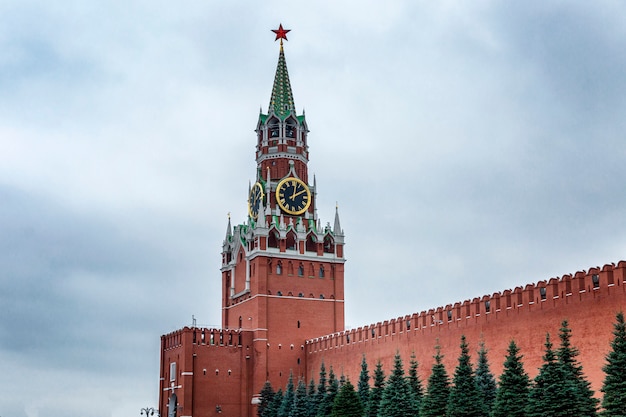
(254,200)
(293,196)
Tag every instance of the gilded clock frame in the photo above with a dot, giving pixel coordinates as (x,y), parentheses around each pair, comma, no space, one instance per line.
(261,196)
(287,209)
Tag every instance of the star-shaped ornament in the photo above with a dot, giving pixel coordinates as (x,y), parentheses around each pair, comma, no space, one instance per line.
(281,33)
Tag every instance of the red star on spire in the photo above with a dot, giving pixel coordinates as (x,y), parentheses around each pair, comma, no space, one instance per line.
(281,33)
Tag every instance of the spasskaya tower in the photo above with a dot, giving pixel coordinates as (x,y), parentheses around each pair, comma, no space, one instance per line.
(282,270)
(282,280)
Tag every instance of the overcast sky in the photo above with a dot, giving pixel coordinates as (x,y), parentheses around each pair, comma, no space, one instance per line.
(472,147)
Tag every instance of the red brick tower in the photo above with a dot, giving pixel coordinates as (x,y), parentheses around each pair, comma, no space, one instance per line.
(282,271)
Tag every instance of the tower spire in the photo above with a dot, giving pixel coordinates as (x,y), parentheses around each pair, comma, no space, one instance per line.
(337,226)
(229,230)
(281,101)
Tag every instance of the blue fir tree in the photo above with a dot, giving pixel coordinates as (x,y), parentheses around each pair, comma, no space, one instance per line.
(398,399)
(266,396)
(485,380)
(512,396)
(301,401)
(288,399)
(376,393)
(414,382)
(435,401)
(347,402)
(586,404)
(364,383)
(614,385)
(465,399)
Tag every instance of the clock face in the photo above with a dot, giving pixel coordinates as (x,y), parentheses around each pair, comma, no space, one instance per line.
(255,199)
(293,196)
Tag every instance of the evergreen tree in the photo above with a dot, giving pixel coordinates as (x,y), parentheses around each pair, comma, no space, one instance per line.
(274,406)
(397,400)
(376,394)
(333,390)
(414,382)
(464,397)
(288,399)
(266,394)
(364,383)
(551,394)
(325,408)
(300,402)
(312,396)
(586,405)
(342,380)
(321,391)
(614,385)
(512,396)
(485,380)
(435,402)
(347,402)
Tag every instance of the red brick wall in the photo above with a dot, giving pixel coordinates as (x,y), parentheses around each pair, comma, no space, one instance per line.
(209,371)
(590,312)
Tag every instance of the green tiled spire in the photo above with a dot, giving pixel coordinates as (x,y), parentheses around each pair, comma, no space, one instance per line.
(282,97)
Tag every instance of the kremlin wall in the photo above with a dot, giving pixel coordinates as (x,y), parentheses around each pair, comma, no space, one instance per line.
(589,300)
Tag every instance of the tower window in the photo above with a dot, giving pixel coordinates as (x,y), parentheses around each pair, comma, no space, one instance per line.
(279,293)
(487,306)
(301,270)
(449,313)
(321,274)
(173,371)
(279,268)
(542,293)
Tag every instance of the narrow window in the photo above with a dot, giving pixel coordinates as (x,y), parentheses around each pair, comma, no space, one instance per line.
(595,279)
(449,313)
(321,271)
(408,324)
(173,371)
(542,293)
(301,270)
(279,268)
(373,332)
(487,306)
(298,324)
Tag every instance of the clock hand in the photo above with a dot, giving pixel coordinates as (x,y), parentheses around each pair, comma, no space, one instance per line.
(297,194)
